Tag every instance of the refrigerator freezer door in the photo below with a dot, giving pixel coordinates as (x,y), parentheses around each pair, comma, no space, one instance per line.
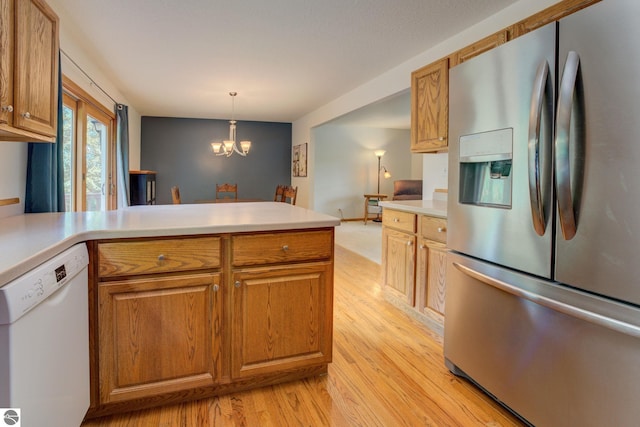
(490,94)
(601,257)
(555,356)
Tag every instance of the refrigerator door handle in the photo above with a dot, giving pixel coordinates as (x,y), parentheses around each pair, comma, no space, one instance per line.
(562,160)
(561,307)
(541,87)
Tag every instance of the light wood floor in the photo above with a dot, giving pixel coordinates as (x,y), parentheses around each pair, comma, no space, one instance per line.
(387,370)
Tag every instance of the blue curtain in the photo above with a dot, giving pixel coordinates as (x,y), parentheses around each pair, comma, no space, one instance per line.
(45,172)
(122,115)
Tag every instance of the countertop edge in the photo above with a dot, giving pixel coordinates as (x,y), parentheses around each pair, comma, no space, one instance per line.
(83,230)
(434,208)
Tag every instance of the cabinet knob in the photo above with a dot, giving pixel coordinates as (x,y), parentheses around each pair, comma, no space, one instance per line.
(441,138)
(442,229)
(422,246)
(237,284)
(285,248)
(26,115)
(409,243)
(161,257)
(216,288)
(8,108)
(396,219)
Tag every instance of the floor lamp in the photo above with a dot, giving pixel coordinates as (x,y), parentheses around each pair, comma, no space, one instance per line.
(387,175)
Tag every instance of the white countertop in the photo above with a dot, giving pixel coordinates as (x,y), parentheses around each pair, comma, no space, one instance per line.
(30,239)
(437,208)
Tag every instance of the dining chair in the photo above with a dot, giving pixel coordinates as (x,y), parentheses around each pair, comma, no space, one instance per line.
(175,195)
(279,193)
(227,191)
(289,195)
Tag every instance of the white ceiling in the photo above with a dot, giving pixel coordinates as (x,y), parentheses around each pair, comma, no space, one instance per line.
(285,58)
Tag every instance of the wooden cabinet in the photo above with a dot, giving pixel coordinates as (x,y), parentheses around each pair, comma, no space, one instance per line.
(187,317)
(157,335)
(282,318)
(156,330)
(479,47)
(414,261)
(282,313)
(430,107)
(431,266)
(399,254)
(29,46)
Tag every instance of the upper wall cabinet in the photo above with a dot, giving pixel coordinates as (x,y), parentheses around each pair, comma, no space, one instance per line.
(29,46)
(430,107)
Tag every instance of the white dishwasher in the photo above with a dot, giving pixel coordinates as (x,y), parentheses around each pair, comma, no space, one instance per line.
(44,343)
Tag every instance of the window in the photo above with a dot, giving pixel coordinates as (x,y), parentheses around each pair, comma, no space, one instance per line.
(88,152)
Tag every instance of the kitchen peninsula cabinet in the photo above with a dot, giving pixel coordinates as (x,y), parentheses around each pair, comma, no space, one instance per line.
(282,301)
(188,317)
(156,330)
(29,57)
(430,107)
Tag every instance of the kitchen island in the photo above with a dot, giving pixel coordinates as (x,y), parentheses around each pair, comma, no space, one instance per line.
(190,301)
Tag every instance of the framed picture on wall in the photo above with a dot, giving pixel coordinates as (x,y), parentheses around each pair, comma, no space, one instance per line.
(300,160)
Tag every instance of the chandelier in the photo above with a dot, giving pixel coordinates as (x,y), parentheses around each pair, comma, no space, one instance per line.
(229,146)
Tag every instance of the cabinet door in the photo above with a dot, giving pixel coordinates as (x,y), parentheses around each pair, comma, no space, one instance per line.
(430,107)
(282,318)
(36,68)
(431,275)
(156,335)
(6,60)
(398,253)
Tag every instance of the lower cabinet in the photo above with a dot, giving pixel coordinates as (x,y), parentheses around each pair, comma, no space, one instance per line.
(414,260)
(399,263)
(188,317)
(281,318)
(157,335)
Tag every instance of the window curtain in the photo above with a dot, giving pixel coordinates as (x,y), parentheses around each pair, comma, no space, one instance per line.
(45,172)
(122,147)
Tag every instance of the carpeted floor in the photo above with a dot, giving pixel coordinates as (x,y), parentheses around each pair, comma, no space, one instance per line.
(365,240)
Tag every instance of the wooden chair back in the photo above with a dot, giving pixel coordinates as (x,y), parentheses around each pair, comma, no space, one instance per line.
(175,195)
(227,191)
(279,193)
(289,195)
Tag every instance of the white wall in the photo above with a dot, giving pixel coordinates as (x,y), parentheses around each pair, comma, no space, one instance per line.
(394,81)
(346,166)
(13,155)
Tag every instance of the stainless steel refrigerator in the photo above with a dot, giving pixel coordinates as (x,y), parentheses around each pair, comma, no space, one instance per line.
(543,282)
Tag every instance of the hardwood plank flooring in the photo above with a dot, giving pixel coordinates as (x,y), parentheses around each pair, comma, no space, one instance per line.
(387,370)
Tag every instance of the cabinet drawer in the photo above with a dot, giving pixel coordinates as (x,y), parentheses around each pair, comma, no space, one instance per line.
(158,256)
(433,228)
(399,220)
(281,247)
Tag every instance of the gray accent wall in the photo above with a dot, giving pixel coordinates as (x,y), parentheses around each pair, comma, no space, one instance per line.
(179,150)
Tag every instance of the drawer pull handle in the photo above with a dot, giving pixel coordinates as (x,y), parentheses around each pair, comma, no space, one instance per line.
(161,257)
(216,288)
(285,248)
(237,284)
(442,229)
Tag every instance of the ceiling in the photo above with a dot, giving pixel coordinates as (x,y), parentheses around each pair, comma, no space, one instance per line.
(284,58)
